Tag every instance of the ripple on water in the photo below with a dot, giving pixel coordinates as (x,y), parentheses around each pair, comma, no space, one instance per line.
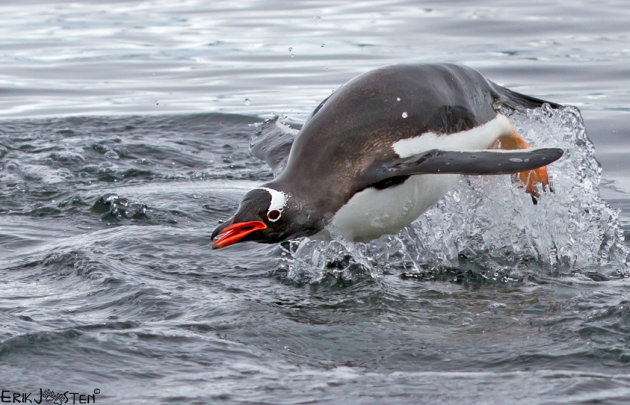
(102,294)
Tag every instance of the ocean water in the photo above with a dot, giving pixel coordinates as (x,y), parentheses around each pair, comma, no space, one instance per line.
(124,139)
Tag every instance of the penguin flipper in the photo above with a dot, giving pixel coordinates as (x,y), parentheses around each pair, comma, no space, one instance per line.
(478,162)
(272,143)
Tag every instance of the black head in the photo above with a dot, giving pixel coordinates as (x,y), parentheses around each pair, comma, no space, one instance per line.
(265,215)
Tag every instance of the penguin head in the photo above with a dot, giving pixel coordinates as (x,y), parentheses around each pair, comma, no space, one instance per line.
(265,215)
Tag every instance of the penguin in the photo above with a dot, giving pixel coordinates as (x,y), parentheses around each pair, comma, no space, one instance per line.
(381,150)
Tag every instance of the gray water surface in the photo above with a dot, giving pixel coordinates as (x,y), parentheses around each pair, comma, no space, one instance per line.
(124,140)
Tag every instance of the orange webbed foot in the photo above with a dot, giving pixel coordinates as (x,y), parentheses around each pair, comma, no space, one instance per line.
(530,179)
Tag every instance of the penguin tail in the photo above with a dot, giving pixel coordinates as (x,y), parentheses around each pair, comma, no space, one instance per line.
(518,101)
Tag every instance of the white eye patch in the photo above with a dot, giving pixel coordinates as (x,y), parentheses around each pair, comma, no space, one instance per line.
(277,204)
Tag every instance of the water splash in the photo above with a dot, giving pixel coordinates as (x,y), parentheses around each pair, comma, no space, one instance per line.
(114,207)
(488,225)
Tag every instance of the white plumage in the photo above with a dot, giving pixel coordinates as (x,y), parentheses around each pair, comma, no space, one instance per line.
(373,212)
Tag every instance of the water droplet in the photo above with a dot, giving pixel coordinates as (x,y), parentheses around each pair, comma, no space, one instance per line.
(110,154)
(323,44)
(397,98)
(404,114)
(291,51)
(247,101)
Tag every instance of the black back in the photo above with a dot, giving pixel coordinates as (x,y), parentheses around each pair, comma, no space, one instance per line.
(354,129)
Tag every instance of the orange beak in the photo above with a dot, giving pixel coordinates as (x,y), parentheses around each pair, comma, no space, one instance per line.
(236,232)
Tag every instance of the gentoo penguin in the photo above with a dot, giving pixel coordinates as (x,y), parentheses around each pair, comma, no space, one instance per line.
(381,150)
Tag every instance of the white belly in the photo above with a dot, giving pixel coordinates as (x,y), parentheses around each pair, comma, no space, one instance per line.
(372,213)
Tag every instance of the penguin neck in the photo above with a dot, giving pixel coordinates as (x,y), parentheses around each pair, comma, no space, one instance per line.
(305,211)
(318,196)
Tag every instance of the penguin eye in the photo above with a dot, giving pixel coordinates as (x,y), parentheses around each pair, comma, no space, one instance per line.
(274,215)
